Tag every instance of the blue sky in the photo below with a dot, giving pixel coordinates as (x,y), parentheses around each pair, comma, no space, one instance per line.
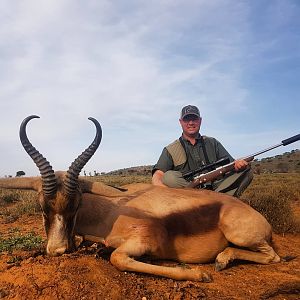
(133,65)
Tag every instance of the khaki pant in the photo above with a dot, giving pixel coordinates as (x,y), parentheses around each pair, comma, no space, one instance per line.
(233,184)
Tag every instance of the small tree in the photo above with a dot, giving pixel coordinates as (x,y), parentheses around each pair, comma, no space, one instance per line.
(20,173)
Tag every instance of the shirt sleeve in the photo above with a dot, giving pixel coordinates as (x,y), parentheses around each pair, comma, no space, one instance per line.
(165,162)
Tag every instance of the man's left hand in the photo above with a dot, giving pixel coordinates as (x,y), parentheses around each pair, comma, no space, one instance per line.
(240,164)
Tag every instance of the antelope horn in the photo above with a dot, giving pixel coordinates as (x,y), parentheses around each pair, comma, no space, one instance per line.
(71,181)
(46,171)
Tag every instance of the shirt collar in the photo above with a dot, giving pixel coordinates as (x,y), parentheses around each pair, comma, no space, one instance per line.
(198,138)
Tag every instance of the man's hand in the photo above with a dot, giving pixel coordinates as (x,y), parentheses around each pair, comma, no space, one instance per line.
(240,164)
(157,178)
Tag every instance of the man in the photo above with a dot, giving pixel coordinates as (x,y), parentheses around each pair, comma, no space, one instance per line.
(192,151)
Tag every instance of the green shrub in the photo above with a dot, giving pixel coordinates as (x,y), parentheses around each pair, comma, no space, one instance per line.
(19,241)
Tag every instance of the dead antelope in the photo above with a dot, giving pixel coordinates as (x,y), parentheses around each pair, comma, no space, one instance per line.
(186,225)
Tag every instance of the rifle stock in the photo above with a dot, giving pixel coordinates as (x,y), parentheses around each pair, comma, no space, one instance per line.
(210,167)
(222,170)
(215,174)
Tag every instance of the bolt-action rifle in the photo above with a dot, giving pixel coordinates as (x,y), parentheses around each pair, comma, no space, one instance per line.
(221,167)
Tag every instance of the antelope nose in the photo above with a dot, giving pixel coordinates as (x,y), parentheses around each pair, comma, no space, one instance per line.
(56,251)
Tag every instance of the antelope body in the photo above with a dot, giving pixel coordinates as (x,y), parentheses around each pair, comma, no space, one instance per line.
(186,225)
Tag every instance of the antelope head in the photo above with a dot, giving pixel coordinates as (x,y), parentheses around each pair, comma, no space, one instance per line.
(59,193)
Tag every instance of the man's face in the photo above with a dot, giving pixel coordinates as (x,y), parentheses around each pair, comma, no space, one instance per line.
(190,125)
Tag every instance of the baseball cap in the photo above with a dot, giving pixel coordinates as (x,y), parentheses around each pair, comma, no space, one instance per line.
(190,110)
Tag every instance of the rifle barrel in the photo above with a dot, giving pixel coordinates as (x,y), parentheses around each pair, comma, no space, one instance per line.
(263,151)
(285,142)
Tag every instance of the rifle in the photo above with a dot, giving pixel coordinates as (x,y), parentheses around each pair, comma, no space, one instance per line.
(220,171)
(190,176)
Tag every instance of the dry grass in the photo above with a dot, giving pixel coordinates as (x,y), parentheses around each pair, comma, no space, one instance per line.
(11,195)
(16,203)
(274,195)
(119,180)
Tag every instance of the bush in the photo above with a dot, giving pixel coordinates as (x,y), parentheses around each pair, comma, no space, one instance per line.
(10,198)
(275,206)
(272,196)
(28,205)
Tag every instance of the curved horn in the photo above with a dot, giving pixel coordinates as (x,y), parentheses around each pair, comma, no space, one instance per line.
(71,180)
(46,171)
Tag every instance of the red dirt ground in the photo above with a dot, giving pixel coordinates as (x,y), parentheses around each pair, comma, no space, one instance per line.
(83,275)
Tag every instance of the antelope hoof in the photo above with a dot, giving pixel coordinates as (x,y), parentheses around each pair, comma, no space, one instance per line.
(219,266)
(206,277)
(223,259)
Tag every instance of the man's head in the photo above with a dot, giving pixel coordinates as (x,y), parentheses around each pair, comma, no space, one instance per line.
(190,120)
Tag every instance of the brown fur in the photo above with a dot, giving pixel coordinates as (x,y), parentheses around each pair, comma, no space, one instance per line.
(193,221)
(181,224)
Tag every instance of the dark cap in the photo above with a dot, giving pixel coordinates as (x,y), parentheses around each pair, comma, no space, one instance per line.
(190,110)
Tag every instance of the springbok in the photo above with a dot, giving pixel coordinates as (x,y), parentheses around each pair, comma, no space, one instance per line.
(185,225)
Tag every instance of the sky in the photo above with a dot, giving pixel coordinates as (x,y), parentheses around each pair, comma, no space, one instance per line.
(133,65)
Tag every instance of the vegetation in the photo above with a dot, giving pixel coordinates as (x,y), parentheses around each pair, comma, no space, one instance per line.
(10,196)
(284,163)
(25,201)
(277,197)
(18,241)
(20,173)
(119,180)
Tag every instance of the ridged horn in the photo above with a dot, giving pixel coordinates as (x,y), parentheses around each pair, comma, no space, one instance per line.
(46,171)
(71,180)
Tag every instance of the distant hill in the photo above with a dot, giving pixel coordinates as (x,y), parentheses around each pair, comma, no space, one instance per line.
(283,163)
(139,170)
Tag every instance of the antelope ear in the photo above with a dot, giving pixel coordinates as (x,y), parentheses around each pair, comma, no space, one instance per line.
(99,188)
(26,183)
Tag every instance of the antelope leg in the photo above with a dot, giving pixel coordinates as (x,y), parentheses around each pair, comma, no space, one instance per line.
(122,259)
(263,254)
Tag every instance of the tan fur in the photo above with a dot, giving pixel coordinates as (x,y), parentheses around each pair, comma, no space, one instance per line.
(192,226)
